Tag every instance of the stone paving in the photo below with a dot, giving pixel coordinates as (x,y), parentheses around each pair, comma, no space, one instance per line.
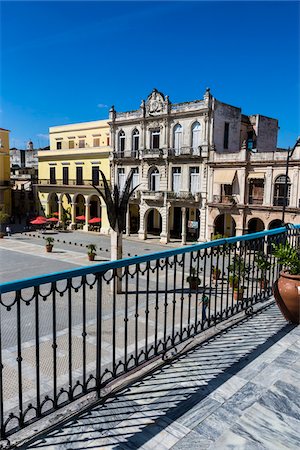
(238,390)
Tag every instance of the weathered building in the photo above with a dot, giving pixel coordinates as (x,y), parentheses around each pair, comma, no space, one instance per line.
(167,147)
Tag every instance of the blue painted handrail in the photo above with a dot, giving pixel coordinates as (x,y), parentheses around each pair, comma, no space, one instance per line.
(103,267)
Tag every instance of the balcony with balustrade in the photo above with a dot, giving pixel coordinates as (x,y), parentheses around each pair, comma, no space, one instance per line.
(224,200)
(69,182)
(170,346)
(184,195)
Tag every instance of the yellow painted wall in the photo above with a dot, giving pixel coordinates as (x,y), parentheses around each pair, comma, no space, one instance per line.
(5,203)
(86,158)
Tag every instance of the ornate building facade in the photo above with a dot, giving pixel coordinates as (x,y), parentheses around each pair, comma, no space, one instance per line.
(203,169)
(167,147)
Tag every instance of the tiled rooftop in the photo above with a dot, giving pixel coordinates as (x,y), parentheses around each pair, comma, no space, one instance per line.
(238,390)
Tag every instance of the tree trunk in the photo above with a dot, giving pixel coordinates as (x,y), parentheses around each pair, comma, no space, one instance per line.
(117,253)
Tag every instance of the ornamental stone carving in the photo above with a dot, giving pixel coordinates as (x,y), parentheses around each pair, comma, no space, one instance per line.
(156,103)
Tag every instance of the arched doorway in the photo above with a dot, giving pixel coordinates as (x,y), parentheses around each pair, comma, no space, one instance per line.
(224,225)
(277,223)
(66,209)
(53,203)
(153,222)
(193,224)
(255,225)
(80,205)
(95,206)
(176,229)
(134,218)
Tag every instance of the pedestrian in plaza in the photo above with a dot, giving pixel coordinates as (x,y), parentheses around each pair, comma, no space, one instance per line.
(8,230)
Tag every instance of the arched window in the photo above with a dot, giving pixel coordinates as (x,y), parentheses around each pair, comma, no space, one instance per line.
(196,138)
(154,179)
(177,138)
(121,142)
(135,142)
(282,191)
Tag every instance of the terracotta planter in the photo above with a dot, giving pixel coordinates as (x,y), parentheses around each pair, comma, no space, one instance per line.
(238,294)
(194,283)
(216,274)
(92,257)
(49,248)
(287,295)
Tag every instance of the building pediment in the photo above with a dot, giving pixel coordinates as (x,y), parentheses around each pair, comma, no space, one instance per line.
(156,104)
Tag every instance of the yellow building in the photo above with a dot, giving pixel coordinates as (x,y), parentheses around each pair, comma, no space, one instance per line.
(5,190)
(68,169)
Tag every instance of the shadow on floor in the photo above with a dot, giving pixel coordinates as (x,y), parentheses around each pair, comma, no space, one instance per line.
(144,409)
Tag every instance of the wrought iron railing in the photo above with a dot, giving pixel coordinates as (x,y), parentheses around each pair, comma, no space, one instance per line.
(69,182)
(185,151)
(127,154)
(184,195)
(255,200)
(66,334)
(225,199)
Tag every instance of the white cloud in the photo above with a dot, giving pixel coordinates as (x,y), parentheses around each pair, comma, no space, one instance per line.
(102,105)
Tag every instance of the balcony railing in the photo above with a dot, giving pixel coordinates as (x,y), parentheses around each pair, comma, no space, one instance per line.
(224,199)
(183,195)
(256,200)
(280,201)
(152,153)
(153,195)
(71,182)
(92,325)
(185,151)
(127,154)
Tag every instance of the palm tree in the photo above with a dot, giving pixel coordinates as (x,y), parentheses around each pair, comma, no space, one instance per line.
(116,205)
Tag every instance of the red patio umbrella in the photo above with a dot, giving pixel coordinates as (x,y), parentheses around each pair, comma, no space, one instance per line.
(41,218)
(38,221)
(95,220)
(53,219)
(80,218)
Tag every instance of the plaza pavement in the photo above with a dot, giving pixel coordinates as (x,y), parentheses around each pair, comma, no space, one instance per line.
(23,255)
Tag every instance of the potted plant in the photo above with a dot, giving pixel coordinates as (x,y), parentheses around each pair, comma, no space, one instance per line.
(216,272)
(287,287)
(263,264)
(4,218)
(238,272)
(49,245)
(193,280)
(91,252)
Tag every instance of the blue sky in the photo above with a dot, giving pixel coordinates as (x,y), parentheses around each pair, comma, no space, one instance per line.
(66,62)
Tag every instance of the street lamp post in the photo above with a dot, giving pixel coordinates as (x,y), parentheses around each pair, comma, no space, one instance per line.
(289,155)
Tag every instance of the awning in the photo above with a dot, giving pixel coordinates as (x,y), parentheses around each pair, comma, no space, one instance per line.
(256,176)
(224,176)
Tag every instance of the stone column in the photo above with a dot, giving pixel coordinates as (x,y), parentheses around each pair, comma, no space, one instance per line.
(183,225)
(164,235)
(127,227)
(268,187)
(87,217)
(47,208)
(203,228)
(293,175)
(73,214)
(242,179)
(60,210)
